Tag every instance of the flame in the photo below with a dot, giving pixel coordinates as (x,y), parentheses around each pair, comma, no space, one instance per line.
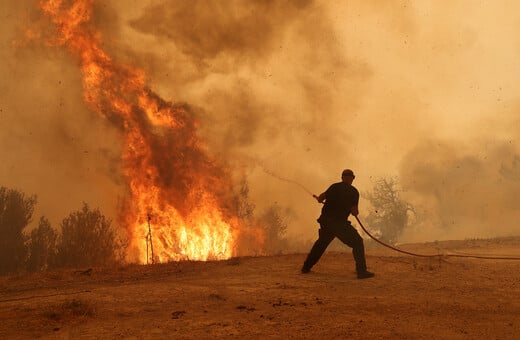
(177,193)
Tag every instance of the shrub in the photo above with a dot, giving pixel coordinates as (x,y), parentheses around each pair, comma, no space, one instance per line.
(275,228)
(390,214)
(15,214)
(42,247)
(87,239)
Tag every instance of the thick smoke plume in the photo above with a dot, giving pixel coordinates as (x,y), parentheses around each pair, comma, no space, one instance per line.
(51,144)
(423,91)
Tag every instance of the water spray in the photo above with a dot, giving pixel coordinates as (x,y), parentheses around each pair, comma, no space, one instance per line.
(272,174)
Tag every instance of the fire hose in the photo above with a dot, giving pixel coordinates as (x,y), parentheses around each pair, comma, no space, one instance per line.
(385,244)
(433,255)
(388,245)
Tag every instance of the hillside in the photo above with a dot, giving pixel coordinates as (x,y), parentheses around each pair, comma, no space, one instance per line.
(262,297)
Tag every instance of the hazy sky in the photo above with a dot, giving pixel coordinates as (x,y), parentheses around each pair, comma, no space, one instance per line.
(422,90)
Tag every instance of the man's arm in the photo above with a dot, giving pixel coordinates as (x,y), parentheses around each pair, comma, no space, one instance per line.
(320,198)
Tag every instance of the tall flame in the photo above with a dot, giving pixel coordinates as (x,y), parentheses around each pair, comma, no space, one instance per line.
(176,190)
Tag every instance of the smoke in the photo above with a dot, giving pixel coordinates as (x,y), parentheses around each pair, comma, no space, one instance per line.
(51,145)
(421,90)
(204,30)
(269,84)
(256,69)
(467,193)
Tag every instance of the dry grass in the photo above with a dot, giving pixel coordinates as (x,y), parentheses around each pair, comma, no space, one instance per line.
(267,297)
(70,309)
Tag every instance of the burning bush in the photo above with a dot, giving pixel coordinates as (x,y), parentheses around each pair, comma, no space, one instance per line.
(170,175)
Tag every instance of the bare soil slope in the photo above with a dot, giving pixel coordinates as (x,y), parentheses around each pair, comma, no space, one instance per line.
(410,297)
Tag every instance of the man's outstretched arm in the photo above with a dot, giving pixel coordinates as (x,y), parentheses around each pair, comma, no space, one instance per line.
(320,198)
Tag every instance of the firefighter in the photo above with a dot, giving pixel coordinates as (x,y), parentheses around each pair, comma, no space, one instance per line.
(340,200)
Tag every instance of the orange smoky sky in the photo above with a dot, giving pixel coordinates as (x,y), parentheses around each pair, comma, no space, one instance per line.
(422,90)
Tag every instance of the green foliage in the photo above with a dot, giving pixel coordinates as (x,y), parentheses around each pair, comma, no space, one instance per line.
(15,214)
(87,239)
(390,213)
(42,247)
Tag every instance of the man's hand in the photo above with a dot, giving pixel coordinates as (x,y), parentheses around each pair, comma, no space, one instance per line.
(319,198)
(355,210)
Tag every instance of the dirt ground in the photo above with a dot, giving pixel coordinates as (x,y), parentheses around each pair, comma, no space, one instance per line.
(261,297)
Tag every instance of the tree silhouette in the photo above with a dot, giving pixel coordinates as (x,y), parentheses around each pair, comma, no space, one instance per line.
(42,247)
(15,214)
(390,214)
(275,229)
(264,233)
(87,239)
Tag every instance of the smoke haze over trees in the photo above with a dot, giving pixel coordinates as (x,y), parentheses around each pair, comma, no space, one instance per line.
(15,214)
(42,247)
(86,237)
(426,91)
(389,213)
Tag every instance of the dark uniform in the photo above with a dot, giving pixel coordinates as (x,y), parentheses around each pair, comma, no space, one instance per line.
(339,200)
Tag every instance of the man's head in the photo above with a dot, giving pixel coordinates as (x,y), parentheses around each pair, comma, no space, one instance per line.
(347,176)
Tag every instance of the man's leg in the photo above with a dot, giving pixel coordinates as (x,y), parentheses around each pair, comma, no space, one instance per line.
(323,241)
(349,235)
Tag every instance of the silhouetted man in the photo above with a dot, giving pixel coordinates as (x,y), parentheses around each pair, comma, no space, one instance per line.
(341,199)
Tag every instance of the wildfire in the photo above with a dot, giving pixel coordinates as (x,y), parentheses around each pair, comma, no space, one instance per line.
(170,176)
